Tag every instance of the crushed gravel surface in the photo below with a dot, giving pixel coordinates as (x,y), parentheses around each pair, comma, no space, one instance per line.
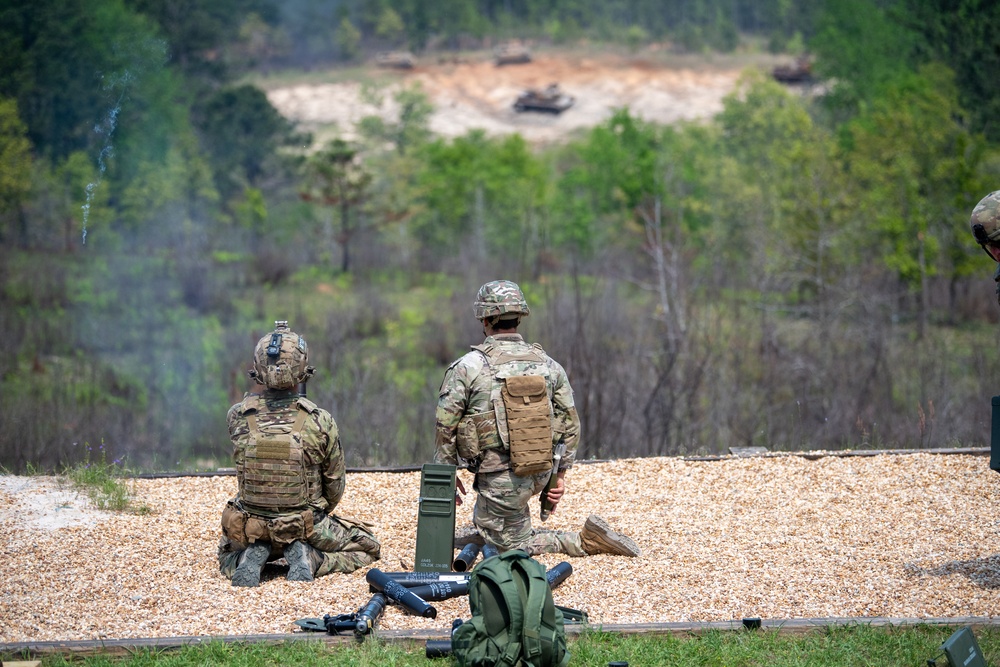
(775,537)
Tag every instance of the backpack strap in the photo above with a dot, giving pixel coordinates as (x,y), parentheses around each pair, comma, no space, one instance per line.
(533,608)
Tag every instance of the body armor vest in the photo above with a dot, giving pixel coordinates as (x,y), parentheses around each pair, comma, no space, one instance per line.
(520,400)
(276,474)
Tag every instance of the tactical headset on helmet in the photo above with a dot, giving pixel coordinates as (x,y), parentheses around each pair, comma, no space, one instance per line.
(985,221)
(499,298)
(280,359)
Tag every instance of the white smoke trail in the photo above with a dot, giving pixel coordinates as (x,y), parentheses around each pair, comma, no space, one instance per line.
(107,128)
(134,56)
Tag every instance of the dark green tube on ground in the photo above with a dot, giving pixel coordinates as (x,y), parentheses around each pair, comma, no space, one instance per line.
(995,436)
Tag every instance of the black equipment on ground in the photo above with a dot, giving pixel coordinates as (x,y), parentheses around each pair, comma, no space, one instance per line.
(466,557)
(362,622)
(411,579)
(441,590)
(400,594)
(441,648)
(558,574)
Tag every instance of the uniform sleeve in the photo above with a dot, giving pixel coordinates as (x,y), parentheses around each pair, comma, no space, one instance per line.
(453,400)
(565,420)
(333,470)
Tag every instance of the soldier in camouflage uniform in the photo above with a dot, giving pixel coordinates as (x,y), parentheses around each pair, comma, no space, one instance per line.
(985,222)
(290,468)
(477,424)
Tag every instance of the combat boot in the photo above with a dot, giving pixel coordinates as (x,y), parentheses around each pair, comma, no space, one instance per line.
(303,560)
(251,564)
(598,538)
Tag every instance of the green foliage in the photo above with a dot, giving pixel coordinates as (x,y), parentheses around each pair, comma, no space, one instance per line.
(480,194)
(15,157)
(102,481)
(198,30)
(788,186)
(336,177)
(908,158)
(669,264)
(861,48)
(242,132)
(348,40)
(410,129)
(259,42)
(71,65)
(635,37)
(962,35)
(60,203)
(390,27)
(603,179)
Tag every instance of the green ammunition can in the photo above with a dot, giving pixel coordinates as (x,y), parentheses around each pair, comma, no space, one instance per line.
(436,518)
(963,649)
(995,435)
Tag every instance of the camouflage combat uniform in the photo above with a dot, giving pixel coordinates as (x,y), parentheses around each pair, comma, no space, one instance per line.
(985,223)
(470,387)
(345,545)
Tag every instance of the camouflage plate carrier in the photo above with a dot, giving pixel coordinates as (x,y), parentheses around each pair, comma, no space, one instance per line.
(276,476)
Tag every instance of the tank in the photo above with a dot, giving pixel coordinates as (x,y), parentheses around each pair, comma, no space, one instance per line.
(395,59)
(798,72)
(511,53)
(547,100)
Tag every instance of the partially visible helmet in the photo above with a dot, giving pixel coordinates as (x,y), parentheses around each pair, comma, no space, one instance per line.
(985,220)
(280,359)
(498,298)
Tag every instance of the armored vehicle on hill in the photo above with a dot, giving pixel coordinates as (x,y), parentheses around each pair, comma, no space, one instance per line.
(547,100)
(395,59)
(798,72)
(511,53)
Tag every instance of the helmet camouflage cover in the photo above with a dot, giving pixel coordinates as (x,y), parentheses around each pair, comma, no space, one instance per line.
(280,359)
(985,220)
(498,298)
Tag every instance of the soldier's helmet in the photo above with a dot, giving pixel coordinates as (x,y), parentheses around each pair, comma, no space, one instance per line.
(498,298)
(985,220)
(281,359)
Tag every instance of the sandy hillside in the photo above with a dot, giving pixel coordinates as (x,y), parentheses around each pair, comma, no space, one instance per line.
(475,93)
(902,536)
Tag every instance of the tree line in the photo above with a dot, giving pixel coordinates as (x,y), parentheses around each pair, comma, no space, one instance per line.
(795,273)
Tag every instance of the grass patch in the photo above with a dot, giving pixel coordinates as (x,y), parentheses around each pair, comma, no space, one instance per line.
(104,484)
(846,646)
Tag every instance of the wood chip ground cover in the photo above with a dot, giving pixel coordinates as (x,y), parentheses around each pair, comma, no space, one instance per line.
(784,537)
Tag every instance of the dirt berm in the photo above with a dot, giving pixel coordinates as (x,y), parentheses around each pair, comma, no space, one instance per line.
(474,93)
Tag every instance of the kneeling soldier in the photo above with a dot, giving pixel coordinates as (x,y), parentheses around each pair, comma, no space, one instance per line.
(290,468)
(503,408)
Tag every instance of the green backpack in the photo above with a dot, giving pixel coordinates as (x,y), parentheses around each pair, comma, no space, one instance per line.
(514,620)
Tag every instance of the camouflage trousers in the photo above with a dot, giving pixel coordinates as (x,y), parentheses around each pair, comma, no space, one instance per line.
(502,517)
(343,545)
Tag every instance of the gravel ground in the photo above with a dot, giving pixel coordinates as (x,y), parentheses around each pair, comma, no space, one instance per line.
(776,537)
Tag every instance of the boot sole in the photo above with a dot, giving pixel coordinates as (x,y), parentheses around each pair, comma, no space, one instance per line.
(248,571)
(299,565)
(612,542)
